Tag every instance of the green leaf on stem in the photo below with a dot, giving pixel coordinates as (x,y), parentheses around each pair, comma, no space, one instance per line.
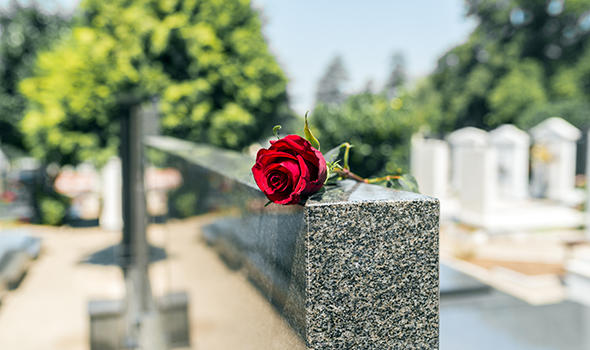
(309,136)
(331,174)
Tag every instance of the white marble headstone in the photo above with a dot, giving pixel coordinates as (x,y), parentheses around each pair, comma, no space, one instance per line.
(430,165)
(462,140)
(554,159)
(512,148)
(478,185)
(111,217)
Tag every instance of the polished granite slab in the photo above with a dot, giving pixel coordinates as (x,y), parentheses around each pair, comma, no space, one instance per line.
(354,268)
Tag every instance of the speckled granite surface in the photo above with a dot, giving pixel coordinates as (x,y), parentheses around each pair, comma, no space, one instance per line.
(372,270)
(355,268)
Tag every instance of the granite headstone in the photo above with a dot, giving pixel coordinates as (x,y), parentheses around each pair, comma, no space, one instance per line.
(355,267)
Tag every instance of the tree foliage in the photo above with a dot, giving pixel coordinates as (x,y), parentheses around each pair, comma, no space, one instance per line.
(206,60)
(24,31)
(523,54)
(378,128)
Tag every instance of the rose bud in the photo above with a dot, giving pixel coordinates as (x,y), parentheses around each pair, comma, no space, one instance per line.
(289,170)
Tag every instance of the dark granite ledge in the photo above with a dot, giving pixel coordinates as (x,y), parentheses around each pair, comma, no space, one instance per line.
(229,164)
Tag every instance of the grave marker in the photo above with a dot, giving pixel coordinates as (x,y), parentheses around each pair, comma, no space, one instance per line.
(354,268)
(512,149)
(554,159)
(463,140)
(430,165)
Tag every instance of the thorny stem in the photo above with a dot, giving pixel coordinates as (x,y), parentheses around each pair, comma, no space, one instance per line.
(345,173)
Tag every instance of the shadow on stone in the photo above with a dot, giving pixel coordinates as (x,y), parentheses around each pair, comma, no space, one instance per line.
(111,255)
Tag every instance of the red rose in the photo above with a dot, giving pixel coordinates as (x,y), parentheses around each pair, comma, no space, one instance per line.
(289,170)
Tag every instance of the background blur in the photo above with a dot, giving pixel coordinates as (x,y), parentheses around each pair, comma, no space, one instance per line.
(486,103)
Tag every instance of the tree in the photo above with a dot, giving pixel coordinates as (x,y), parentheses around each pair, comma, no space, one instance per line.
(518,89)
(330,88)
(378,128)
(397,78)
(24,31)
(206,60)
(575,111)
(523,53)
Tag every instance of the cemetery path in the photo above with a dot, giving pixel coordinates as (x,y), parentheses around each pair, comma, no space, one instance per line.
(49,309)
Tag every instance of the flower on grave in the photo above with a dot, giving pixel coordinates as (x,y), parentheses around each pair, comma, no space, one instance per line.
(293,168)
(289,170)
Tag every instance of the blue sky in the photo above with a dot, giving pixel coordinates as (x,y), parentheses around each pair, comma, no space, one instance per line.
(306,34)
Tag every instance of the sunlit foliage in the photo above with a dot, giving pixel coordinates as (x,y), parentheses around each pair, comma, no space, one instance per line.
(24,30)
(206,61)
(378,128)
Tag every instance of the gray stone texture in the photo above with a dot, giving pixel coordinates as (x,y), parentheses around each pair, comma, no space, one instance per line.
(372,270)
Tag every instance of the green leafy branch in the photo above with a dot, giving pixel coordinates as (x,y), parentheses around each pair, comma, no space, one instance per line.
(337,171)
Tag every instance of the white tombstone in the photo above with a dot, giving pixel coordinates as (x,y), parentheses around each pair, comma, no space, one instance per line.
(4,163)
(554,159)
(429,162)
(512,149)
(478,190)
(588,186)
(462,140)
(111,217)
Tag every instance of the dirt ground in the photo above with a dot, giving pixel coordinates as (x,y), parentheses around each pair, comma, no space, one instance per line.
(49,309)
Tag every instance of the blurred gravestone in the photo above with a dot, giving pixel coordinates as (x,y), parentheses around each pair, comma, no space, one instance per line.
(111,218)
(463,140)
(430,165)
(512,149)
(478,187)
(554,159)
